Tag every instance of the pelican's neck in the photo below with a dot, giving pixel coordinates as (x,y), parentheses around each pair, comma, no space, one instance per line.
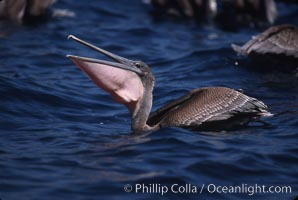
(141,113)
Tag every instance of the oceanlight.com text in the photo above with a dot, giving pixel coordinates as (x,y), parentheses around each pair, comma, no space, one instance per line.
(249,189)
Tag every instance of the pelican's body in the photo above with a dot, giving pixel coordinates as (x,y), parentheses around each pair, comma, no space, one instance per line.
(131,83)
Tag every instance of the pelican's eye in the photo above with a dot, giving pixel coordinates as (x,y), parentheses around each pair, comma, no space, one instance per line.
(138,65)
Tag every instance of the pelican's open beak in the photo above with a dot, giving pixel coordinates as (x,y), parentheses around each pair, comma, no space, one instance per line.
(121,78)
(121,62)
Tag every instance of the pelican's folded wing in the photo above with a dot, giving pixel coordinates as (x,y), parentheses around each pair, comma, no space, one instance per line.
(207,105)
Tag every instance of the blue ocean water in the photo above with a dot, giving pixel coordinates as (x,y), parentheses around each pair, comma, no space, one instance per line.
(63,138)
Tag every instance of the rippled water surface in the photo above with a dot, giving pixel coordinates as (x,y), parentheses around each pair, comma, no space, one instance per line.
(63,138)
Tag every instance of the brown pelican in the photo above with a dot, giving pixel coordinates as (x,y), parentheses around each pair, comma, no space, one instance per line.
(131,83)
(224,12)
(199,9)
(12,10)
(18,10)
(233,14)
(278,45)
(280,39)
(252,10)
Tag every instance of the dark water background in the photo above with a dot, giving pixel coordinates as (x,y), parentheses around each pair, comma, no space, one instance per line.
(63,138)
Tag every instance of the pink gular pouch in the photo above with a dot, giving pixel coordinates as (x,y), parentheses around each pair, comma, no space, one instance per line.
(125,86)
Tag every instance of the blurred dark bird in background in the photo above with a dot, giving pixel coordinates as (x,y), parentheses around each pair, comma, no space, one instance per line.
(277,45)
(225,12)
(246,12)
(199,9)
(24,10)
